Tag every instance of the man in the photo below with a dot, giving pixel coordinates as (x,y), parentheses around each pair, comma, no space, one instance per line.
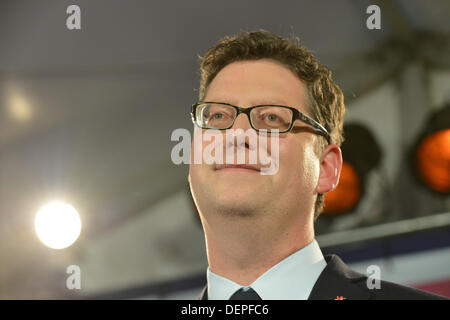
(259,229)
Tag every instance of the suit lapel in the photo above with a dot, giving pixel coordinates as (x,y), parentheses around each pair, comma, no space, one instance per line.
(338,281)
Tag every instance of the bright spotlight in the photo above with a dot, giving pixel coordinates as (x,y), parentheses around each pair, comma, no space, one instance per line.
(57,225)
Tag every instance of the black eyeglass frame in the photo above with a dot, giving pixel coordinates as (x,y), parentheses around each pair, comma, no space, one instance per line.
(296,115)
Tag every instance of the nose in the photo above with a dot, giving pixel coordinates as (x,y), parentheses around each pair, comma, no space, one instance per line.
(242,122)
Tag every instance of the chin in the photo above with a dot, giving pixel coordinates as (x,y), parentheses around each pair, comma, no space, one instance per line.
(239,206)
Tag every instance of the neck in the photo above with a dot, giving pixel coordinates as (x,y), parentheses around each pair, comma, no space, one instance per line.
(243,248)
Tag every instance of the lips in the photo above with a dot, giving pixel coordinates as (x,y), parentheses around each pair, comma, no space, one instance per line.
(237,166)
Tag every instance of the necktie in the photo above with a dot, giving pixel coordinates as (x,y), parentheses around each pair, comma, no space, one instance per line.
(249,294)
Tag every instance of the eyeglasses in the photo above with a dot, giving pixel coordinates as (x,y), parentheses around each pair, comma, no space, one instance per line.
(221,116)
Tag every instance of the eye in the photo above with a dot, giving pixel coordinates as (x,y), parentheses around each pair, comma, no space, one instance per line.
(272,117)
(217,116)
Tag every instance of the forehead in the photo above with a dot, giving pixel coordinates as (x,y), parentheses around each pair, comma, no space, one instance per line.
(247,83)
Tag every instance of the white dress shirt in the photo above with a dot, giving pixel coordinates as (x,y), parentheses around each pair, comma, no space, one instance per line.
(291,279)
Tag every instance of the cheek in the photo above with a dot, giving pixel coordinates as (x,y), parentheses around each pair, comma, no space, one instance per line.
(299,166)
(310,166)
(196,166)
(197,182)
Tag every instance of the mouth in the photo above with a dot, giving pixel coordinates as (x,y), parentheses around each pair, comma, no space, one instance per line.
(237,167)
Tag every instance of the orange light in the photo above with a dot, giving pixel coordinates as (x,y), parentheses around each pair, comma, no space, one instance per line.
(347,194)
(433,161)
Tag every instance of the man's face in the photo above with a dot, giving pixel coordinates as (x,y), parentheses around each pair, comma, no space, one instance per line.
(248,193)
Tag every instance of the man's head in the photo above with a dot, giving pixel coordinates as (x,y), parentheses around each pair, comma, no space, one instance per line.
(261,68)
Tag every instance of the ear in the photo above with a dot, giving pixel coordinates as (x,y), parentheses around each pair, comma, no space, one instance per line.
(330,169)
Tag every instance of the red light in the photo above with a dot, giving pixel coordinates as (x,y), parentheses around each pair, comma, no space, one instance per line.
(433,161)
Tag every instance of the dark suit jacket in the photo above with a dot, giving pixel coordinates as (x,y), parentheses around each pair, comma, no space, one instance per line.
(338,280)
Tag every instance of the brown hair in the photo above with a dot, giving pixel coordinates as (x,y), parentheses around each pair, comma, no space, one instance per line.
(326,101)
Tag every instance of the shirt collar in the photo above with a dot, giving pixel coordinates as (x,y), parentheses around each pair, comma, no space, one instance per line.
(291,279)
